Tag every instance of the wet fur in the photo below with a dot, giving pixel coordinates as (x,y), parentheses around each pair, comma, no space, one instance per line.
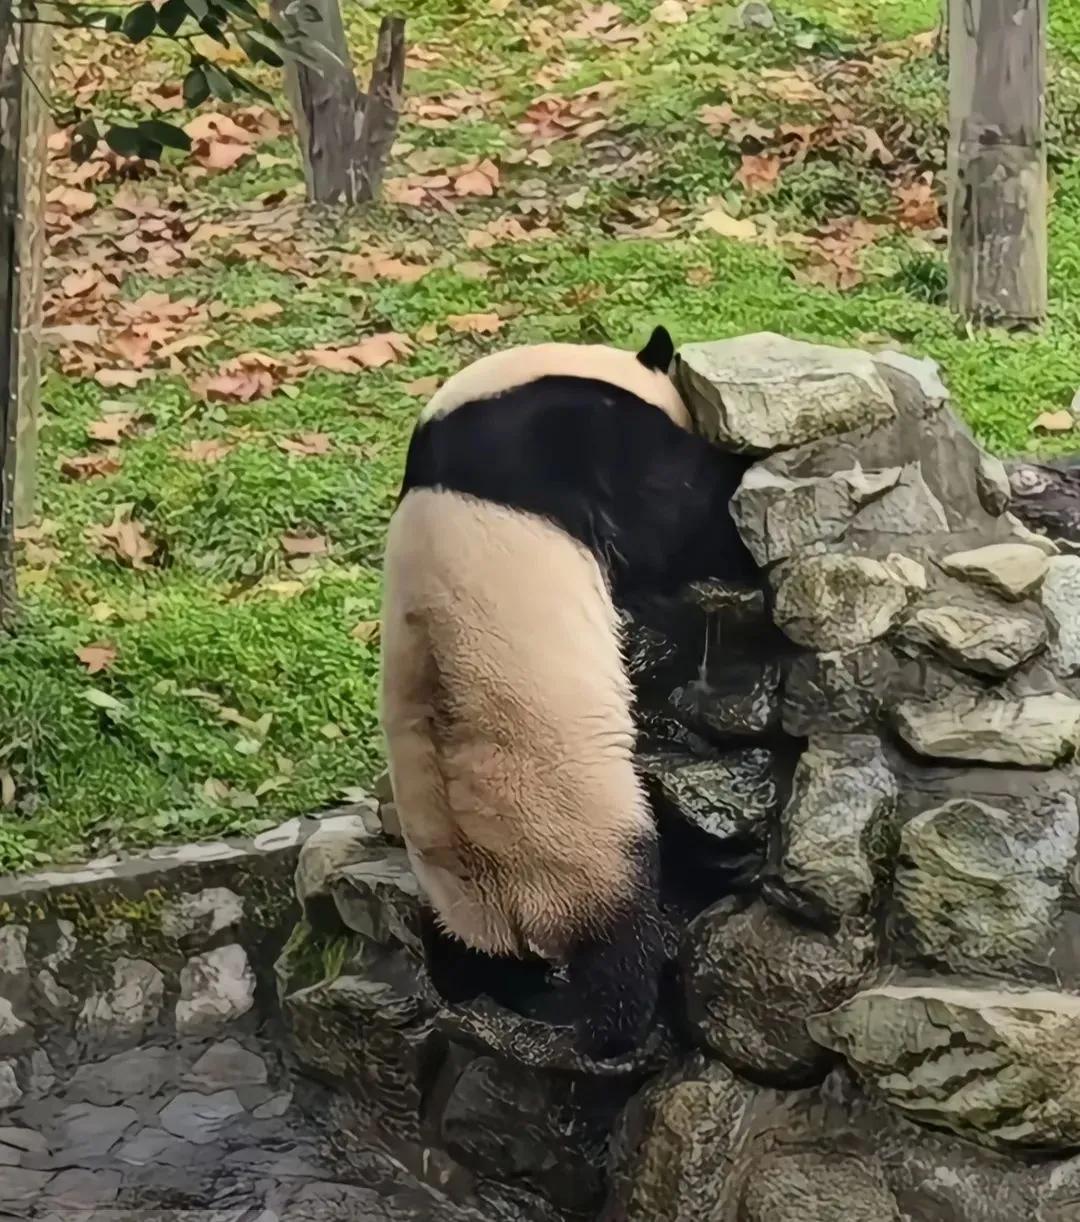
(505,700)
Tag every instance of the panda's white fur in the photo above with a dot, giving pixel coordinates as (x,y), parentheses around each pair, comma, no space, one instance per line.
(502,371)
(518,823)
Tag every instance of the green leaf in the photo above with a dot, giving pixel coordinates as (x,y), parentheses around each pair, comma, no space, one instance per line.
(140,22)
(109,22)
(196,87)
(172,15)
(219,84)
(245,86)
(199,9)
(167,134)
(212,29)
(102,700)
(84,139)
(258,52)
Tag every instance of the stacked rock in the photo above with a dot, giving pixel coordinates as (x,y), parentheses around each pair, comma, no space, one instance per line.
(915,906)
(864,776)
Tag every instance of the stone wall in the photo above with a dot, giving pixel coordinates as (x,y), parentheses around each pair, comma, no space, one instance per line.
(864,774)
(865,780)
(143,1060)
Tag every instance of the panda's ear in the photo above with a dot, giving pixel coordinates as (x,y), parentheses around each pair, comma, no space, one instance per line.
(659,352)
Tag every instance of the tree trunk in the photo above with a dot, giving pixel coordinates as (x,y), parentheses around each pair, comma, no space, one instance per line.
(344,137)
(997,161)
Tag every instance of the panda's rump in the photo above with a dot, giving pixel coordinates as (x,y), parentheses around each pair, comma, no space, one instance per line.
(508,719)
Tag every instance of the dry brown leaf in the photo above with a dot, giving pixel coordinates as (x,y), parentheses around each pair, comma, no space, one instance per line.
(719,220)
(306,444)
(1054,422)
(208,450)
(97,657)
(304,545)
(717,119)
(367,268)
(790,85)
(112,427)
(474,324)
(370,353)
(90,466)
(482,179)
(257,313)
(759,174)
(670,12)
(366,630)
(126,539)
(917,206)
(423,387)
(110,378)
(72,201)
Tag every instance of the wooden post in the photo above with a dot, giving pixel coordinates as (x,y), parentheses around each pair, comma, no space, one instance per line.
(997,161)
(37,43)
(344,136)
(10,126)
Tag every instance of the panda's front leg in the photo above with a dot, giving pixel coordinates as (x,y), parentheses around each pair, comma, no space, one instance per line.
(615,971)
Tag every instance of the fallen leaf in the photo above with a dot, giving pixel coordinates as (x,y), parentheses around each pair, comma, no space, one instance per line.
(423,387)
(110,378)
(670,12)
(917,205)
(257,313)
(368,268)
(304,545)
(112,427)
(789,85)
(208,450)
(126,538)
(474,324)
(90,466)
(1055,422)
(481,180)
(759,174)
(370,353)
(97,657)
(719,220)
(72,201)
(305,444)
(365,630)
(717,119)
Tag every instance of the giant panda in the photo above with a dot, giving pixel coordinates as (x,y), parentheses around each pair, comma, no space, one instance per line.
(542,485)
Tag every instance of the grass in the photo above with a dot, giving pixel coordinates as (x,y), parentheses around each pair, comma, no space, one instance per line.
(240,685)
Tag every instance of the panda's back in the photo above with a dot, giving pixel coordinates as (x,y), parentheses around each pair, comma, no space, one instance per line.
(507,713)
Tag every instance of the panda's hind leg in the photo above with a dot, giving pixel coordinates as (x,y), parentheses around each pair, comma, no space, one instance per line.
(615,972)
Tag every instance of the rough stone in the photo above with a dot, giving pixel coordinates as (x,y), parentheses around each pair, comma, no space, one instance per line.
(817,1186)
(779,516)
(284,836)
(837,691)
(82,1188)
(752,978)
(15,1035)
(13,956)
(980,887)
(216,988)
(836,824)
(142,1071)
(740,697)
(908,507)
(1013,570)
(1061,598)
(86,1131)
(1028,731)
(675,1146)
(10,1091)
(130,1008)
(729,797)
(755,15)
(58,999)
(200,1118)
(380,899)
(522,1126)
(338,841)
(205,913)
(984,640)
(154,1147)
(764,392)
(19,1185)
(42,1074)
(840,601)
(992,484)
(999,1067)
(228,1064)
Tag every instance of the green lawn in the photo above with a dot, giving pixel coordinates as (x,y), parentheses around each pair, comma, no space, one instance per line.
(235,679)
